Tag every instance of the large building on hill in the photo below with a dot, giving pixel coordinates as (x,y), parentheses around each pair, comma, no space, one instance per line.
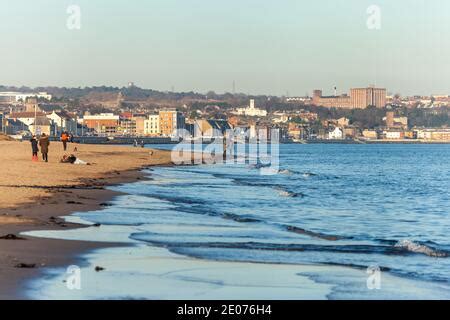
(359,98)
(251,111)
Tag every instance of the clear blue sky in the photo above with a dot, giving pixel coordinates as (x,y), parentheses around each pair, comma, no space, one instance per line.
(269,47)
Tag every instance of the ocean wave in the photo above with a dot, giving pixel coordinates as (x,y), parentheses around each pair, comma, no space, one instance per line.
(175,199)
(244,182)
(259,166)
(294,172)
(238,218)
(287,193)
(308,174)
(287,172)
(155,240)
(415,247)
(313,234)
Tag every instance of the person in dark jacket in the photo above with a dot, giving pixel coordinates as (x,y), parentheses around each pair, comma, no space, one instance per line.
(34,148)
(44,142)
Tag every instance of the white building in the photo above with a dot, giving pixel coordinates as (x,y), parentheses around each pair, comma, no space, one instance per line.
(101,116)
(151,125)
(64,121)
(337,133)
(20,96)
(26,117)
(394,135)
(251,111)
(298,99)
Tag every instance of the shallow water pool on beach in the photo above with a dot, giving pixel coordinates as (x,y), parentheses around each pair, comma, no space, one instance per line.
(309,231)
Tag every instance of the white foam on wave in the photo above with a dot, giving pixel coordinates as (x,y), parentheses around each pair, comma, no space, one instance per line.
(419,248)
(285,171)
(285,193)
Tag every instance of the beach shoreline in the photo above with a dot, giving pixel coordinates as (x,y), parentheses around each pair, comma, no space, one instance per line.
(23,258)
(54,244)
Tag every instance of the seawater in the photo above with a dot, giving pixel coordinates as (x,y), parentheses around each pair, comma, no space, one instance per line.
(350,206)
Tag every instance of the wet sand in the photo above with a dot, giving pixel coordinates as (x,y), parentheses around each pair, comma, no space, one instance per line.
(34,195)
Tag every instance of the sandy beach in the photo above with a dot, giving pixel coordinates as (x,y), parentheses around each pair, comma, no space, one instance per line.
(34,195)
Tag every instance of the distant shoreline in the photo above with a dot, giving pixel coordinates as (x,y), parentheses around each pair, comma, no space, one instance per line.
(372,142)
(168,141)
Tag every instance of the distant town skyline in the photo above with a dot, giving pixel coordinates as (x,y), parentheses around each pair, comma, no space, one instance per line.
(275,48)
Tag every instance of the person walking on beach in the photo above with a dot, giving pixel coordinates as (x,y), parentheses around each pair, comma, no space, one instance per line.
(34,148)
(64,139)
(44,142)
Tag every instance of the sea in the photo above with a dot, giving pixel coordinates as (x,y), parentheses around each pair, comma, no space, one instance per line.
(330,221)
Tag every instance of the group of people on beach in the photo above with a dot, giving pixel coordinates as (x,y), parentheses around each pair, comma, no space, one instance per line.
(43,142)
(137,144)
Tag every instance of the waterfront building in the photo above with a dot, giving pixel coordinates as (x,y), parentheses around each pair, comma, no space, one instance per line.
(14,126)
(63,120)
(370,134)
(104,123)
(139,120)
(210,129)
(410,134)
(297,131)
(350,132)
(394,134)
(433,134)
(41,125)
(336,134)
(151,125)
(171,122)
(26,117)
(127,127)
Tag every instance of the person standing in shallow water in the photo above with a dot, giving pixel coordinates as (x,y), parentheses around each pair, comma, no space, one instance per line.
(44,142)
(34,148)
